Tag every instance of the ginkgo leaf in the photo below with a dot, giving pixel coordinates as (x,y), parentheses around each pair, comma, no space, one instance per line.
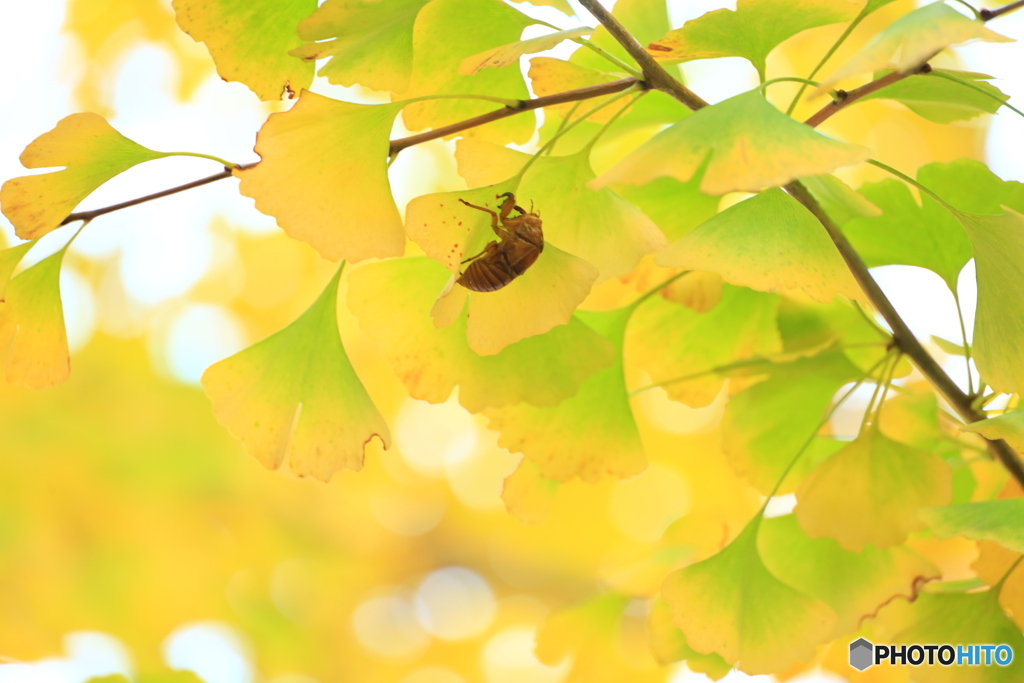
(668,644)
(839,200)
(711,604)
(700,292)
(996,564)
(295,395)
(672,342)
(92,153)
(507,54)
(770,243)
(675,207)
(249,41)
(528,496)
(764,426)
(752,31)
(942,100)
(587,632)
(9,260)
(912,419)
(591,434)
(915,38)
(533,303)
(392,300)
(743,144)
(871,492)
(1008,426)
(446,33)
(32,330)
(599,226)
(365,41)
(561,5)
(645,20)
(550,76)
(949,347)
(998,243)
(1001,521)
(853,584)
(962,619)
(324,177)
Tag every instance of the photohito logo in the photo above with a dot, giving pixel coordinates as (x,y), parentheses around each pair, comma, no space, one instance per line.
(864,654)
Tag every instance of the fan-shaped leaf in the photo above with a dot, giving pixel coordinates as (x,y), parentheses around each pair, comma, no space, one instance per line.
(871,492)
(915,38)
(9,260)
(507,54)
(1001,521)
(528,496)
(942,100)
(323,176)
(753,30)
(668,644)
(366,42)
(249,41)
(589,435)
(392,300)
(32,330)
(550,76)
(712,604)
(586,631)
(770,243)
(295,395)
(743,144)
(92,153)
(1009,426)
(855,585)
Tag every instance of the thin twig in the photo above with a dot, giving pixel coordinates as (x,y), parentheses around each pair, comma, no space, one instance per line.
(847,98)
(987,14)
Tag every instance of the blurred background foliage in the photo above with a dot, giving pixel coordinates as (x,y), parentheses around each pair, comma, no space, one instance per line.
(126,510)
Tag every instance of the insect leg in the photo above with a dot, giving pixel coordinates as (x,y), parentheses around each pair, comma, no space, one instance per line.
(494,216)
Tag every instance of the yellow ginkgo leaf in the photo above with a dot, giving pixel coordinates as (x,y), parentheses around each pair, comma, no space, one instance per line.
(743,144)
(561,5)
(9,260)
(769,243)
(446,33)
(533,303)
(712,603)
(507,54)
(92,153)
(668,644)
(32,326)
(324,177)
(365,42)
(592,434)
(871,492)
(998,243)
(295,395)
(528,496)
(249,41)
(550,76)
(392,300)
(915,38)
(1009,426)
(587,632)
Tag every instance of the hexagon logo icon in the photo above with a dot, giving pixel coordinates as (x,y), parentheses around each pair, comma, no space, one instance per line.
(861,652)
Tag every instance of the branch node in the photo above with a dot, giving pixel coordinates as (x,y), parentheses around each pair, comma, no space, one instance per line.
(925,68)
(986,14)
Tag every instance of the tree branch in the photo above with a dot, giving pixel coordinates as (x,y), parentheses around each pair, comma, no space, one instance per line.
(902,335)
(656,75)
(987,14)
(848,98)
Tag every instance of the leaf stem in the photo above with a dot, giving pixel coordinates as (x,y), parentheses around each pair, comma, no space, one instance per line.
(874,395)
(828,55)
(222,162)
(999,584)
(974,10)
(636,73)
(657,288)
(561,124)
(907,179)
(788,79)
(513,103)
(967,348)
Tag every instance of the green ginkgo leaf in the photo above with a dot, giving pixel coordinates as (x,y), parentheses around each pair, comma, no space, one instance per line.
(9,260)
(32,330)
(668,645)
(591,434)
(1009,426)
(672,342)
(713,606)
(853,584)
(249,41)
(585,631)
(675,207)
(942,100)
(527,495)
(507,54)
(365,41)
(646,20)
(998,242)
(743,144)
(871,492)
(915,38)
(295,396)
(92,153)
(752,31)
(324,177)
(446,33)
(540,299)
(1001,521)
(769,243)
(550,76)
(598,226)
(962,619)
(839,200)
(765,425)
(392,300)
